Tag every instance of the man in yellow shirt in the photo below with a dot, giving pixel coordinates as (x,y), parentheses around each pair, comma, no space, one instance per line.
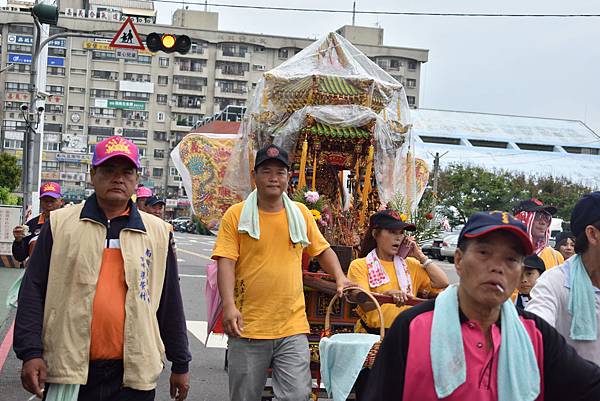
(537,218)
(259,252)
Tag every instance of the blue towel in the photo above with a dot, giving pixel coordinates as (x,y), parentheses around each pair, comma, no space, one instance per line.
(249,221)
(13,292)
(342,358)
(62,392)
(516,353)
(582,303)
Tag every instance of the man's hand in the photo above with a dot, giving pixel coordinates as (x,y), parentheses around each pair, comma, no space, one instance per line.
(233,323)
(180,385)
(19,233)
(342,283)
(33,376)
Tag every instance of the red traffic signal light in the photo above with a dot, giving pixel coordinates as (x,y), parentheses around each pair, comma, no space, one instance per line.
(168,43)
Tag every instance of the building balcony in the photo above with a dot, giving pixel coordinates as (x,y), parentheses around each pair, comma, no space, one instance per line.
(235,93)
(189,70)
(181,125)
(189,89)
(189,109)
(232,74)
(232,55)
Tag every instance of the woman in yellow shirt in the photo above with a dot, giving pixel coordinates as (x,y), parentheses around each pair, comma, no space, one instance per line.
(392,263)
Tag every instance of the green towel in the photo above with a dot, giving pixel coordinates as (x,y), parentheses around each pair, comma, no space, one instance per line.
(13,293)
(62,392)
(582,303)
(516,353)
(249,221)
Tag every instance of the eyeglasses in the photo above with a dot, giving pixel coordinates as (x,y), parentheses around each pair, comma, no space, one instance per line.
(544,217)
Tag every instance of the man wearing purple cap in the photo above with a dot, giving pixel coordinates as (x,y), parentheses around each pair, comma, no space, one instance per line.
(100,304)
(50,199)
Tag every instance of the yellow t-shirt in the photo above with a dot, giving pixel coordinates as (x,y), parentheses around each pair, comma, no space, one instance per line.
(358,273)
(551,257)
(268,272)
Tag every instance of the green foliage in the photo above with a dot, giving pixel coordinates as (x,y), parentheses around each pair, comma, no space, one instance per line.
(464,190)
(7,198)
(10,172)
(300,197)
(424,218)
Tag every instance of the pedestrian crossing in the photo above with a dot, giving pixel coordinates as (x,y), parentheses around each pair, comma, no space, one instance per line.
(198,329)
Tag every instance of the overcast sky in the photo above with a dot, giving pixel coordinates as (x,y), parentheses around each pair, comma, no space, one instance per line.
(547,67)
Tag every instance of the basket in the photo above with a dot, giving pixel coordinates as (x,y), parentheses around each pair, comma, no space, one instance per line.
(370,360)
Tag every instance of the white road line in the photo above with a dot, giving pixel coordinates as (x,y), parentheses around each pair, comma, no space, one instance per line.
(193,240)
(198,329)
(193,253)
(180,260)
(193,275)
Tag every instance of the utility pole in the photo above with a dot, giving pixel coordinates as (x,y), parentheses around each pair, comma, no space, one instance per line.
(436,174)
(353,13)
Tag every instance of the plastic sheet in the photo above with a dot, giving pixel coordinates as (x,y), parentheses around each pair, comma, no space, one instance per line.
(333,90)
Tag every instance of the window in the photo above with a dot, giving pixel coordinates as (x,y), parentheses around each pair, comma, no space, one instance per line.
(50,166)
(159,153)
(411,83)
(130,76)
(57,52)
(282,53)
(395,64)
(161,99)
(53,127)
(160,116)
(52,146)
(78,52)
(190,83)
(538,147)
(103,56)
(19,49)
(16,87)
(438,139)
(135,133)
(232,68)
(103,74)
(25,68)
(13,106)
(412,101)
(73,89)
(140,60)
(197,48)
(54,109)
(103,93)
(163,62)
(105,131)
(160,136)
(188,101)
(488,144)
(78,71)
(412,65)
(234,50)
(58,71)
(55,89)
(22,29)
(136,96)
(100,112)
(142,151)
(135,115)
(13,125)
(585,151)
(163,80)
(13,144)
(157,172)
(174,173)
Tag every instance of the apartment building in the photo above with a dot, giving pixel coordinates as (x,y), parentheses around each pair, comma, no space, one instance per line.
(155,99)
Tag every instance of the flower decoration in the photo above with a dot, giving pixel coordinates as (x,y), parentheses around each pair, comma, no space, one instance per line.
(311,196)
(316,214)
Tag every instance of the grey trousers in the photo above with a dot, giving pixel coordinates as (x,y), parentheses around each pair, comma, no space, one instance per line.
(289,359)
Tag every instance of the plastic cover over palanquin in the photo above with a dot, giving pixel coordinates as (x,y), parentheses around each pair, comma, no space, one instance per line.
(337,85)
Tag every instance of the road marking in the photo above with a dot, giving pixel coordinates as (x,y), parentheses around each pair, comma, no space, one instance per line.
(193,240)
(198,329)
(193,275)
(193,253)
(6,345)
(180,260)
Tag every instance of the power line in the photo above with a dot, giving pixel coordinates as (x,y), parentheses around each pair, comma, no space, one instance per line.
(375,12)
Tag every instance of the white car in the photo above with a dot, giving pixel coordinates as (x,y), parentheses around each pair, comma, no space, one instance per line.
(449,247)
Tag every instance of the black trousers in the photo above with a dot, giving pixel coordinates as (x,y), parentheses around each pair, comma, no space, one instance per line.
(105,383)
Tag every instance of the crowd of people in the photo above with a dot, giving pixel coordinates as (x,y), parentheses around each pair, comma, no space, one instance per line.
(100,303)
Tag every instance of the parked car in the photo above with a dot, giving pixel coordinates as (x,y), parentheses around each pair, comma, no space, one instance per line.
(432,247)
(449,247)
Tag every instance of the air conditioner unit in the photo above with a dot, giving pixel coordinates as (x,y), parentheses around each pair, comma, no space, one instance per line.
(259,67)
(141,124)
(97,121)
(107,122)
(53,118)
(12,115)
(134,124)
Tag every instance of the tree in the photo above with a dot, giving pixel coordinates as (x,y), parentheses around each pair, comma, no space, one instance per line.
(10,172)
(7,198)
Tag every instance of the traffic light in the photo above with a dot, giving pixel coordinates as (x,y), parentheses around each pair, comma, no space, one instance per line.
(45,13)
(168,43)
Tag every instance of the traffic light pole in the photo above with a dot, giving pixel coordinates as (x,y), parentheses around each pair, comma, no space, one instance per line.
(32,149)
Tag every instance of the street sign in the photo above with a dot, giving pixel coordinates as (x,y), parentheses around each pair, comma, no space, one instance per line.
(127,54)
(127,37)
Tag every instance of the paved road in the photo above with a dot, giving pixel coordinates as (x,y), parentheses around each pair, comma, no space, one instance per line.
(208,378)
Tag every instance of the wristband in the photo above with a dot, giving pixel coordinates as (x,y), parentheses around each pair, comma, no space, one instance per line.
(426,263)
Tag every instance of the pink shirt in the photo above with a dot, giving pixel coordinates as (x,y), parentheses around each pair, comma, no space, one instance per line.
(482,363)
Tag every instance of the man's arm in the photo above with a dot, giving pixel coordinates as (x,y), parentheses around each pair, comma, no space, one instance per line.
(330,263)
(171,318)
(32,296)
(20,246)
(233,323)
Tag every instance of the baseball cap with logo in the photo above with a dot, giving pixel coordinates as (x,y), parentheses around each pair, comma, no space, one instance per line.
(483,223)
(271,152)
(534,205)
(154,200)
(113,147)
(51,189)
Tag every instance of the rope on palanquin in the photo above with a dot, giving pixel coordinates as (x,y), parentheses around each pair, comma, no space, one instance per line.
(316,148)
(366,186)
(304,155)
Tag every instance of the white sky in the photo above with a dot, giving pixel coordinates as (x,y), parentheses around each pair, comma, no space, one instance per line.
(546,67)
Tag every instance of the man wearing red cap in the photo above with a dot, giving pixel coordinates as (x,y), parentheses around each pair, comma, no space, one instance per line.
(141,196)
(100,303)
(50,199)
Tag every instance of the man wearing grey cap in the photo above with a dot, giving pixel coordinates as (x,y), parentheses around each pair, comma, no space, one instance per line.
(568,297)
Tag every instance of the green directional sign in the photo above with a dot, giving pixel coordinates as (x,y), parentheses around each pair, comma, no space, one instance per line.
(126,104)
